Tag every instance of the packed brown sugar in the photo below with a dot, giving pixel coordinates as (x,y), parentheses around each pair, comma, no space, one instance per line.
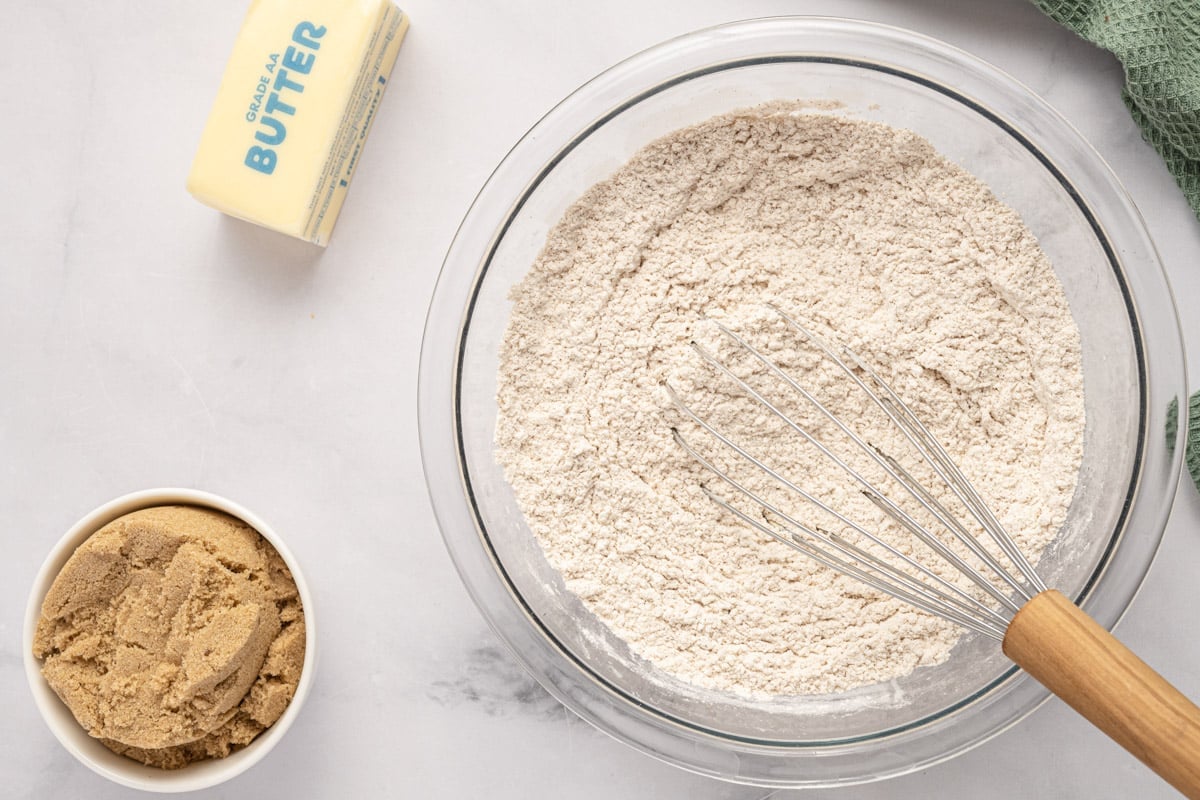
(173,634)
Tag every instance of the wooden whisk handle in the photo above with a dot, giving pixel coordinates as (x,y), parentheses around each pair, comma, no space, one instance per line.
(1085,665)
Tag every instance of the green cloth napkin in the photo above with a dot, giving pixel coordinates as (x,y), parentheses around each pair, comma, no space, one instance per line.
(1193,439)
(1158,43)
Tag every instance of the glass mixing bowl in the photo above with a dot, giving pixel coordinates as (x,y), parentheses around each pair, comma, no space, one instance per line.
(1034,161)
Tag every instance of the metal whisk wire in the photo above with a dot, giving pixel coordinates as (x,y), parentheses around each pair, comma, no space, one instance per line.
(1039,629)
(929,592)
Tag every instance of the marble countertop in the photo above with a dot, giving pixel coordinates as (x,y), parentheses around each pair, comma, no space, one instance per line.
(148,341)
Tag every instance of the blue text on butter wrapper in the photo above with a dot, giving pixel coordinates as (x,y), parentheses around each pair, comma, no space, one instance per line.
(274,130)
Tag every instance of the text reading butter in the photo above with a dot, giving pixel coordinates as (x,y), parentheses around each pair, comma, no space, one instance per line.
(293,112)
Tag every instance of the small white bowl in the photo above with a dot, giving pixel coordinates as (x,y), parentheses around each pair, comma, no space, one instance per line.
(126,771)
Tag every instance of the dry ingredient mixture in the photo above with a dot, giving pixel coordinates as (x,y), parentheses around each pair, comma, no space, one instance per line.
(869,236)
(173,634)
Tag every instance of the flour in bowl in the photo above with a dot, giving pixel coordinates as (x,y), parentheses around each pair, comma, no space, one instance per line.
(868,234)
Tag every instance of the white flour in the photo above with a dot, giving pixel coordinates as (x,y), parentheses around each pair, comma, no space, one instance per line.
(868,234)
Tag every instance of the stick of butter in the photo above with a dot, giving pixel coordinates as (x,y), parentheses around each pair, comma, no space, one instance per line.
(293,111)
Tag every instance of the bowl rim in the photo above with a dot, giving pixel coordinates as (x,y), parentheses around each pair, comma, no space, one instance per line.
(441,372)
(72,736)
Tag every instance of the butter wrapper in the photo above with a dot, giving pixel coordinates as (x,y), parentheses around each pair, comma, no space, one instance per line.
(293,112)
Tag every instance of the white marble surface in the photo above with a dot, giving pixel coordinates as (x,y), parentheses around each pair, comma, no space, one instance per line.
(147,341)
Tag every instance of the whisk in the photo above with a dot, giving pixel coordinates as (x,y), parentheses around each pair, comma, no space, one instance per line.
(1038,627)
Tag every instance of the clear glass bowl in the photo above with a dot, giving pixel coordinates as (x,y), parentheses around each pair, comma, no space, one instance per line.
(1032,159)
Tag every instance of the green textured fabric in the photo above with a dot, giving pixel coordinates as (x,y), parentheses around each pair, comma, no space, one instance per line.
(1193,439)
(1158,43)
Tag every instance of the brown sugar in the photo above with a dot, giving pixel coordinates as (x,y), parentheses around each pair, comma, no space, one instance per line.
(173,634)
